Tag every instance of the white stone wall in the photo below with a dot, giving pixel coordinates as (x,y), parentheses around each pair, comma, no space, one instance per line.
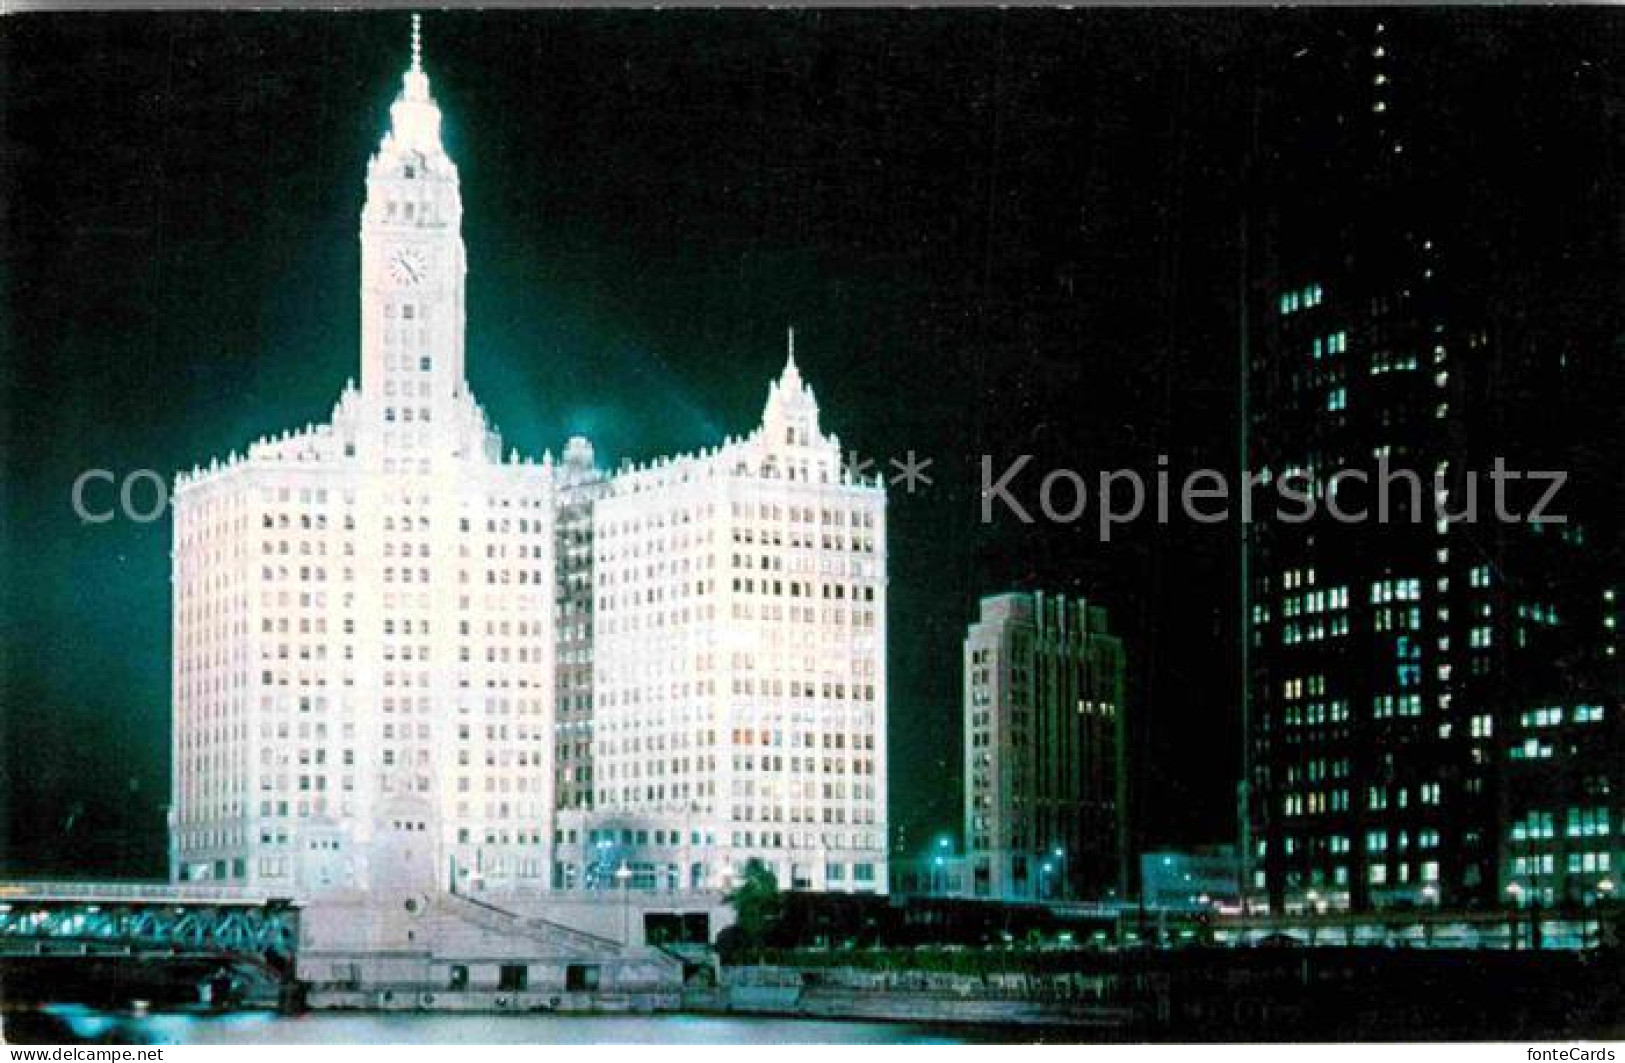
(456,949)
(363,609)
(369,641)
(740,665)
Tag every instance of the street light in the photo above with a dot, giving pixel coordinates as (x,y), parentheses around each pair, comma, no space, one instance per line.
(1314,909)
(1600,896)
(939,865)
(1060,859)
(1515,891)
(623,876)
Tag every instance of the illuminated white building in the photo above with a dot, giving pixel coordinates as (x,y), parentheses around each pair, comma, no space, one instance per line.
(739,666)
(403,661)
(363,632)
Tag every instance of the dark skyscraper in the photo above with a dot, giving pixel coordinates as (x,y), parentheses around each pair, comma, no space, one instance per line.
(1045,796)
(1432,680)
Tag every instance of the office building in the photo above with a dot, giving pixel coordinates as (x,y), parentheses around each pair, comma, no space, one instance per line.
(738,666)
(363,609)
(1432,688)
(1045,815)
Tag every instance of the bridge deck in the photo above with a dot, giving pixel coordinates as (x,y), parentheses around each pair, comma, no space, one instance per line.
(186,894)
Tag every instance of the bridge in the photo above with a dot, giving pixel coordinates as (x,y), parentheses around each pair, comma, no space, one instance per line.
(234,940)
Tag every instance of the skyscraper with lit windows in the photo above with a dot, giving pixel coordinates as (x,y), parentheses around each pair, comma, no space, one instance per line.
(738,666)
(403,659)
(363,609)
(1432,690)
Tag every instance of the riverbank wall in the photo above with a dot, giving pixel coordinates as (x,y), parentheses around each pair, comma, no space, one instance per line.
(1218,995)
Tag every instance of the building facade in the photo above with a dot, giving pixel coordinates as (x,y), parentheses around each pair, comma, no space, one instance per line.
(1207,878)
(1045,784)
(403,658)
(363,610)
(929,875)
(738,666)
(579,483)
(1433,689)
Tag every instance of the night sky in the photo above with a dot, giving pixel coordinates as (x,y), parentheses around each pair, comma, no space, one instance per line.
(994,233)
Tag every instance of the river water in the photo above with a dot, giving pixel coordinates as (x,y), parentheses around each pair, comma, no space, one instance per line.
(79,1024)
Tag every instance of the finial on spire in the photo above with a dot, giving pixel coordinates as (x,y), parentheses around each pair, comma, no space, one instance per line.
(791,346)
(417,123)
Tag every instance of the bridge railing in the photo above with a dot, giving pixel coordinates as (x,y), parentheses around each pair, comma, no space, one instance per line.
(147,892)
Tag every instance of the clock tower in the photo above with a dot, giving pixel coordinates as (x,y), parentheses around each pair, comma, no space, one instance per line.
(412,261)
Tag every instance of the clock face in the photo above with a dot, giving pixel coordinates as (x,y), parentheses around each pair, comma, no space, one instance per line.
(408,266)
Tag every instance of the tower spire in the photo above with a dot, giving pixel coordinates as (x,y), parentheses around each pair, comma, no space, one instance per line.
(790,348)
(415,117)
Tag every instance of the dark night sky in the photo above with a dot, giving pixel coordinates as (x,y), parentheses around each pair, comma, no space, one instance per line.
(994,233)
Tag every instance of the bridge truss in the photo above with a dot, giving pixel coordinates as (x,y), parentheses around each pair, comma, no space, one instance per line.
(36,918)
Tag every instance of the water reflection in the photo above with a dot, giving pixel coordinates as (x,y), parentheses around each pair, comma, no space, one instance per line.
(65,1023)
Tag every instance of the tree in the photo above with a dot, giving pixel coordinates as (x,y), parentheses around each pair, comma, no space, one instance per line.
(758,908)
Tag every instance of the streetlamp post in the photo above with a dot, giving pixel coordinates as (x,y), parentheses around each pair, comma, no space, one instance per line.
(1206,906)
(623,877)
(1515,891)
(1430,899)
(1062,885)
(1603,893)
